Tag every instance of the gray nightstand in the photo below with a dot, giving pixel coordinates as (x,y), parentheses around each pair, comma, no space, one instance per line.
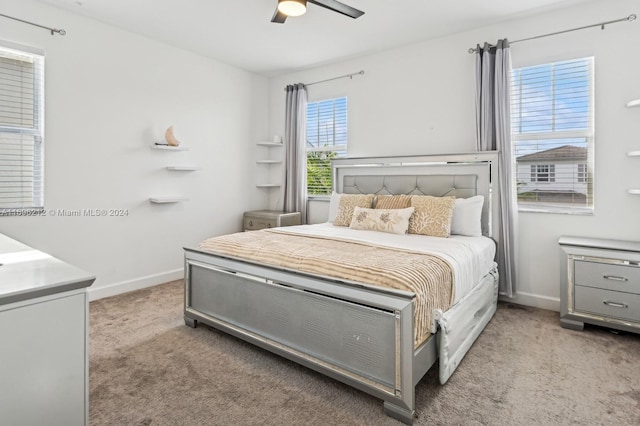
(600,283)
(261,219)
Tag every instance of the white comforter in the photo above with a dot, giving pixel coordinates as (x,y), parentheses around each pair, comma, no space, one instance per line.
(471,258)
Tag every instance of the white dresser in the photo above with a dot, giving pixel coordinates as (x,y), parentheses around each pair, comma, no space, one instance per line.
(43,338)
(600,283)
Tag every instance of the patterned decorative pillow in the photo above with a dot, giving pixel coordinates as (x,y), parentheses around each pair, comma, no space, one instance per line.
(393,201)
(393,221)
(348,203)
(432,215)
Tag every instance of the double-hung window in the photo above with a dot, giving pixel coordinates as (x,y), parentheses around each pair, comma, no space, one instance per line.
(21,130)
(326,139)
(552,133)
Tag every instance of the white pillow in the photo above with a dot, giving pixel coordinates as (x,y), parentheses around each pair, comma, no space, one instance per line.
(467,216)
(334,206)
(393,221)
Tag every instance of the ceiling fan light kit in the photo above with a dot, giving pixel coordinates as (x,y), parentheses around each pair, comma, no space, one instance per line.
(292,7)
(288,8)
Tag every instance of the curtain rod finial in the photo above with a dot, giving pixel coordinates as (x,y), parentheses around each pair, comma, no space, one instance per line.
(632,17)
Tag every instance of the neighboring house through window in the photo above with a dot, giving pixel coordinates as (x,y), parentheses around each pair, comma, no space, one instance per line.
(326,139)
(21,130)
(552,133)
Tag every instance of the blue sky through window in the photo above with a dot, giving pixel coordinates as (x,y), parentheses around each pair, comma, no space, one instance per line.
(327,123)
(551,99)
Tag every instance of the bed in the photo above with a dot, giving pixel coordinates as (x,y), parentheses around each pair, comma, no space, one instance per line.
(337,317)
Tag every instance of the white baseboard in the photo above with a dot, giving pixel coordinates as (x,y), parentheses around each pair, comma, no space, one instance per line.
(534,300)
(109,290)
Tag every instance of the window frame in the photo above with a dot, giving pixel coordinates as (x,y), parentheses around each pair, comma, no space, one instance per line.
(327,149)
(586,134)
(37,131)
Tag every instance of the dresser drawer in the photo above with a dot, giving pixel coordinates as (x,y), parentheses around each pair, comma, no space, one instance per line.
(252,223)
(607,276)
(608,303)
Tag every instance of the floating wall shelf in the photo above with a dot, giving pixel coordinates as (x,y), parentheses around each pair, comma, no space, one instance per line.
(183,168)
(634,191)
(269,162)
(633,153)
(633,103)
(270,143)
(170,148)
(167,200)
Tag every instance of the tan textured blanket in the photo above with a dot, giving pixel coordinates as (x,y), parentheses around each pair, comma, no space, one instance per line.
(428,276)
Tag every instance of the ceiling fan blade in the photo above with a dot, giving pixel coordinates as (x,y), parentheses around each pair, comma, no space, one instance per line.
(336,6)
(278,17)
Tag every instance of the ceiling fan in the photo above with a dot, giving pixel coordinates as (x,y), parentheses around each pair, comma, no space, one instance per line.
(299,7)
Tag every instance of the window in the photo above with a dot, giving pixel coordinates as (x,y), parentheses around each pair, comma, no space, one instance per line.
(552,133)
(21,130)
(543,173)
(326,139)
(582,172)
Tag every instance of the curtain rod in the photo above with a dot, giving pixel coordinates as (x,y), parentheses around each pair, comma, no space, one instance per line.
(52,30)
(361,72)
(629,18)
(336,78)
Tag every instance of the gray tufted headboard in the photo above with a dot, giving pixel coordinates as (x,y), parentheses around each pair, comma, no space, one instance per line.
(460,175)
(460,186)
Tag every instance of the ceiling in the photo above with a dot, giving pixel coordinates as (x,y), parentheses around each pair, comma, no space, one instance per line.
(239,32)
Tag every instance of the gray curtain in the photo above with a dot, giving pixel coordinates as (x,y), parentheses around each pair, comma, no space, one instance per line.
(295,181)
(493,132)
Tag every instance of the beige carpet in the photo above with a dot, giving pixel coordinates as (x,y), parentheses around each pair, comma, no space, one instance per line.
(148,368)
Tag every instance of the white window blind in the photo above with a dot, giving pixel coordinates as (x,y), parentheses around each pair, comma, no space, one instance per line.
(21,130)
(326,139)
(552,133)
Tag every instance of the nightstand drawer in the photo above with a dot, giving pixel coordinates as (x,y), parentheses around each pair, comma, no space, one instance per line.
(261,219)
(607,276)
(608,303)
(252,223)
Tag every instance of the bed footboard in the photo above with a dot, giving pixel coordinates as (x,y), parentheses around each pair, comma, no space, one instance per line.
(355,334)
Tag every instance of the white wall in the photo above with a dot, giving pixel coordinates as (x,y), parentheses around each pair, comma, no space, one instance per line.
(420,100)
(109,95)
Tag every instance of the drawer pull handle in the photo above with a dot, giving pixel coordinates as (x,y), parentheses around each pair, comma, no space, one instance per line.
(615,304)
(615,278)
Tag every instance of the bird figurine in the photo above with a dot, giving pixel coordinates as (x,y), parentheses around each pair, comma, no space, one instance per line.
(170,137)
